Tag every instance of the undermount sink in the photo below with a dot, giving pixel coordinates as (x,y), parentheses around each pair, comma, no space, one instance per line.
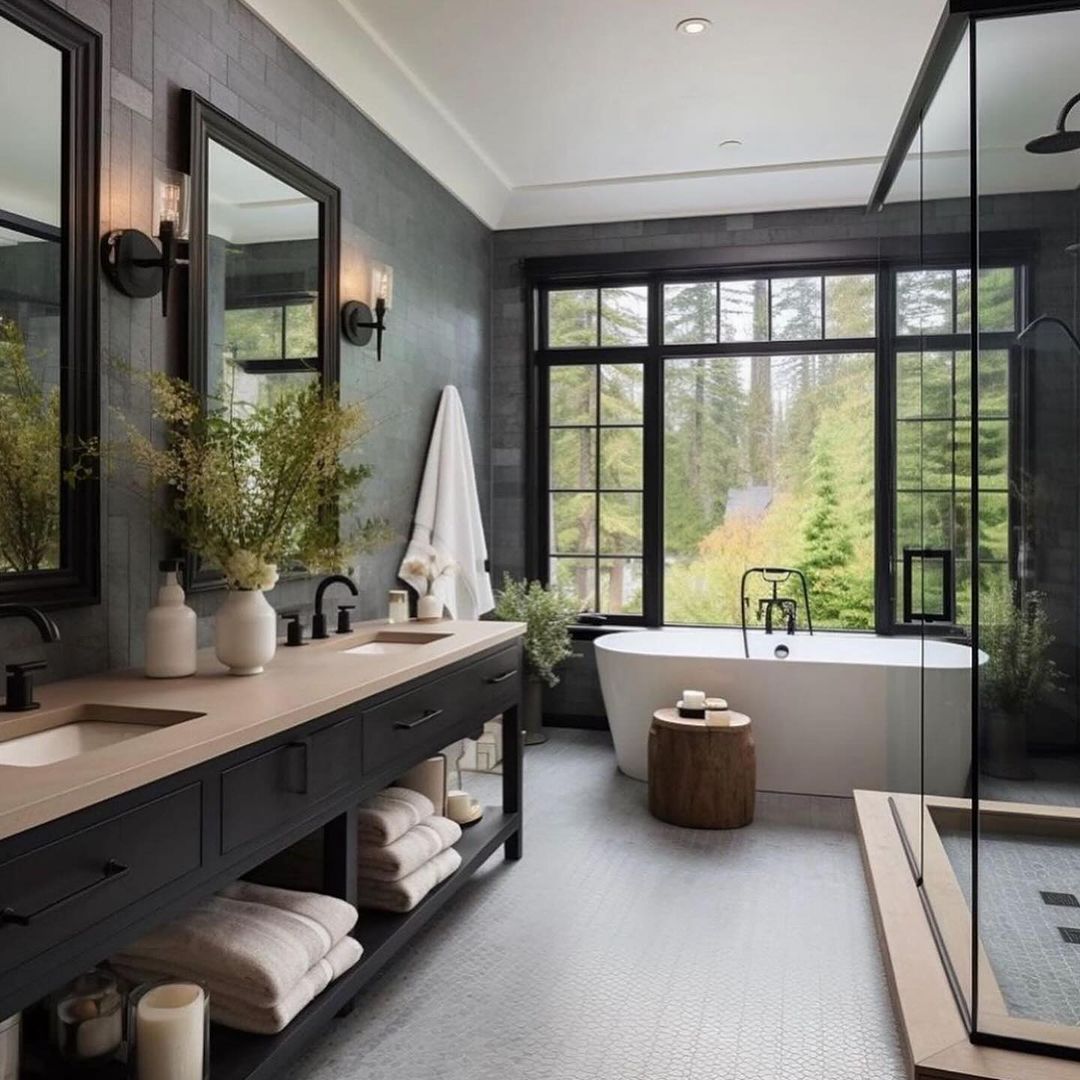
(44,738)
(389,642)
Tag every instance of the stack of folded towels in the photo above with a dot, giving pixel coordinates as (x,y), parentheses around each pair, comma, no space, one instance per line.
(405,849)
(261,953)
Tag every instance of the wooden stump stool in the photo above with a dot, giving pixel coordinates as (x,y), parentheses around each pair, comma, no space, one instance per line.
(702,773)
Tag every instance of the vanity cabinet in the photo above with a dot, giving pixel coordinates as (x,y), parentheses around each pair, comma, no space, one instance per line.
(74,890)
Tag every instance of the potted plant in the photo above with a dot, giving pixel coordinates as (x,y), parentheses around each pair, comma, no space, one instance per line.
(429,568)
(548,617)
(1018,673)
(249,487)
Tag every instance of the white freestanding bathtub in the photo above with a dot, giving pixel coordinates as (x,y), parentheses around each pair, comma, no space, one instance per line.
(839,712)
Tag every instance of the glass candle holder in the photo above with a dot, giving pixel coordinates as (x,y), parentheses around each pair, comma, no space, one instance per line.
(398,606)
(169,1031)
(88,1019)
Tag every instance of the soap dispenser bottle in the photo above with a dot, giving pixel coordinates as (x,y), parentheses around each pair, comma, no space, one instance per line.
(170,629)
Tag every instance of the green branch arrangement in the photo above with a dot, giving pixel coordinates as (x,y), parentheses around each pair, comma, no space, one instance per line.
(1015,633)
(252,486)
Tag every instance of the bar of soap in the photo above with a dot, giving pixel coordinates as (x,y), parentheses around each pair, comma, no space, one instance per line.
(693,699)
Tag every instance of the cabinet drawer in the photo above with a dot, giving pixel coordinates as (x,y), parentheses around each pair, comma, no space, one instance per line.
(278,786)
(495,682)
(412,724)
(50,895)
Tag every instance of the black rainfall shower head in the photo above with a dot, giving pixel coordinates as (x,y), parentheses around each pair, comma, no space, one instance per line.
(1059,141)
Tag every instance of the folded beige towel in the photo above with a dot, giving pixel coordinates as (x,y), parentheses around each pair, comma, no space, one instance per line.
(390,814)
(252,951)
(404,895)
(337,916)
(267,1018)
(392,862)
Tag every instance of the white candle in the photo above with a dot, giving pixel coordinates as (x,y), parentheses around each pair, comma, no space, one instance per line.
(170,1029)
(693,699)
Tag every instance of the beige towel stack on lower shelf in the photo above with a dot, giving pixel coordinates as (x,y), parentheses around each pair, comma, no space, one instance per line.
(262,953)
(404,849)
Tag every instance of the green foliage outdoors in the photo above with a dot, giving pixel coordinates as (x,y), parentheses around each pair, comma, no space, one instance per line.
(29,460)
(1015,634)
(548,617)
(792,436)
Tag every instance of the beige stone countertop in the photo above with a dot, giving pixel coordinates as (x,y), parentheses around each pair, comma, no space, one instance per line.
(299,684)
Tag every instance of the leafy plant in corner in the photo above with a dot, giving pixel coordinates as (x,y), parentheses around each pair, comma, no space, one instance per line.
(548,617)
(1017,675)
(1016,637)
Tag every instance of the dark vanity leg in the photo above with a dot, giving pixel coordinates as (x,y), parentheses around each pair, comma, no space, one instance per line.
(513,768)
(339,866)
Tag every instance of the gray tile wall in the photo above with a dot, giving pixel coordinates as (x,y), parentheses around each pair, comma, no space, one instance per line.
(1053,216)
(392,211)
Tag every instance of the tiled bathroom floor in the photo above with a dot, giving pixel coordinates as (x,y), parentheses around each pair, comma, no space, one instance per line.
(624,949)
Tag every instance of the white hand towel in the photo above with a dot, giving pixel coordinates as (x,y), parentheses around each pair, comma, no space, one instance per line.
(392,862)
(391,814)
(447,520)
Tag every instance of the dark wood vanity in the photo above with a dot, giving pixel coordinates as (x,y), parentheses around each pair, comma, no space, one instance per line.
(75,889)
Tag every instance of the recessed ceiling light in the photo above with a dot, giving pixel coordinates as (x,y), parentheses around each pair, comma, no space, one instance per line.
(695,25)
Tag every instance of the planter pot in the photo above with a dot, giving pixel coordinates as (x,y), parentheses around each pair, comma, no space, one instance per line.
(532,707)
(245,632)
(429,608)
(1004,746)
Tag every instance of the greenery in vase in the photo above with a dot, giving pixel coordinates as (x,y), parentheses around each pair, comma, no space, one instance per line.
(548,617)
(251,486)
(1016,637)
(29,441)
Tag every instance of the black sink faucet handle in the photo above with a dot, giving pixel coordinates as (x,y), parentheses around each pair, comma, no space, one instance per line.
(294,633)
(344,618)
(20,686)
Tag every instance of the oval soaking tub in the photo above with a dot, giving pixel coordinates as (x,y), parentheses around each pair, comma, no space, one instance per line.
(838,712)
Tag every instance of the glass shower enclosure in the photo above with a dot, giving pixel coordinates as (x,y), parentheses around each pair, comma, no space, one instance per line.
(984,172)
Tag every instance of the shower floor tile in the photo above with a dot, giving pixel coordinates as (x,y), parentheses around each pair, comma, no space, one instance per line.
(621,948)
(1036,966)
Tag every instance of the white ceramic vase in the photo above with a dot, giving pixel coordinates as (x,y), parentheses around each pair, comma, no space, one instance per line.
(429,608)
(245,632)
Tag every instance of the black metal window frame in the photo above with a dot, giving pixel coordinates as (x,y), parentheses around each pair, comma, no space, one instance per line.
(883,260)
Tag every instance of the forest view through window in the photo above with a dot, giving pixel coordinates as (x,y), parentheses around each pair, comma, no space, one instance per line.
(759,397)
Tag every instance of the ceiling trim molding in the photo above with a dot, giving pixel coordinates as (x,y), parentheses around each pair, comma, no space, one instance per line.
(335,39)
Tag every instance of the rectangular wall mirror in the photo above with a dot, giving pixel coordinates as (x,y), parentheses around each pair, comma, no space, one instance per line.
(50,126)
(264,271)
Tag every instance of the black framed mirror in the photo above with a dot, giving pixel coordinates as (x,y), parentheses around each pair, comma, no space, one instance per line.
(50,131)
(264,272)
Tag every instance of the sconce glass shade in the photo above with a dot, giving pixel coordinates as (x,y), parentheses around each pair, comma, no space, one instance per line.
(382,284)
(171,202)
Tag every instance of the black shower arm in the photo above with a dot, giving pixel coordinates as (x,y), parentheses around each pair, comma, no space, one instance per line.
(1065,110)
(1036,323)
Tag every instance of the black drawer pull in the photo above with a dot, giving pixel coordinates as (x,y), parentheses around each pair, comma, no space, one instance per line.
(495,679)
(110,872)
(423,718)
(305,774)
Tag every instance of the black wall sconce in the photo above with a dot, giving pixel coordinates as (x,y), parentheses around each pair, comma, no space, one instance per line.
(357,320)
(134,263)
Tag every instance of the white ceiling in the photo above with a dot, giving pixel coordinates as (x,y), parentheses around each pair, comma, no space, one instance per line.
(545,112)
(247,205)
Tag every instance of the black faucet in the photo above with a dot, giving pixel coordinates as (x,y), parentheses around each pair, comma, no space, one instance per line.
(20,678)
(318,620)
(788,607)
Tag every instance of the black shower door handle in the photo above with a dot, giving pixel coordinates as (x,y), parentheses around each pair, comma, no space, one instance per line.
(924,555)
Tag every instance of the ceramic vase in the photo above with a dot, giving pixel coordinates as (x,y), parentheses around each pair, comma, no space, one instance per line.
(245,632)
(429,608)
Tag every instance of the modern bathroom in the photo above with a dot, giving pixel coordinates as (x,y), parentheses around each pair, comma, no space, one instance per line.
(540,540)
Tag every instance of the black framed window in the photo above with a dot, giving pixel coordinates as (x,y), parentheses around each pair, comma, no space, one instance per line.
(815,415)
(934,426)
